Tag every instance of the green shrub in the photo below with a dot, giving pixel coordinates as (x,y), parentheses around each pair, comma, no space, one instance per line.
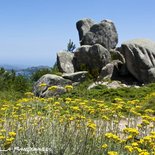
(11,83)
(39,73)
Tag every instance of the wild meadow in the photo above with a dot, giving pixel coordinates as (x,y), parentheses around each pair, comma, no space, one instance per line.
(100,121)
(77,125)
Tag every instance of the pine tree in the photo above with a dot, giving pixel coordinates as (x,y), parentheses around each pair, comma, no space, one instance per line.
(70,46)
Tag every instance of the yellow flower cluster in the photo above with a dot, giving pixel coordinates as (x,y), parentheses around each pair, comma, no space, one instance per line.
(69,88)
(52,88)
(42,85)
(131,131)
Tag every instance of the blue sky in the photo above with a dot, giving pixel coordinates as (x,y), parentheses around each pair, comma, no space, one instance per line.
(32,31)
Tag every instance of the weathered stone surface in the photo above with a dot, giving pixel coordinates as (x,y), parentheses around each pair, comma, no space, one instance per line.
(91,58)
(116,55)
(140,59)
(65,62)
(83,26)
(57,92)
(76,77)
(50,80)
(111,70)
(103,33)
(113,84)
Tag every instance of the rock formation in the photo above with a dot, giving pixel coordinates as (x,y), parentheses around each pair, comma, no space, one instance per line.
(132,63)
(140,59)
(91,58)
(76,77)
(65,62)
(48,80)
(111,70)
(103,33)
(83,26)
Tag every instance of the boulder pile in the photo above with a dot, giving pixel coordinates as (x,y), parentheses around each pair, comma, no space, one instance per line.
(133,62)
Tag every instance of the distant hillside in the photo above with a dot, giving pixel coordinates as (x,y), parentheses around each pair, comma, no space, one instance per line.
(10,67)
(27,72)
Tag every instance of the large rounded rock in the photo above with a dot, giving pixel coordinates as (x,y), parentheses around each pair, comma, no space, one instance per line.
(111,70)
(91,58)
(76,77)
(116,55)
(65,62)
(83,26)
(140,59)
(103,33)
(41,87)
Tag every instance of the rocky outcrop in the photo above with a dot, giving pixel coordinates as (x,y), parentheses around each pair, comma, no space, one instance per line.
(65,62)
(103,33)
(91,58)
(111,70)
(83,26)
(140,59)
(116,55)
(112,85)
(76,77)
(56,92)
(41,87)
(132,64)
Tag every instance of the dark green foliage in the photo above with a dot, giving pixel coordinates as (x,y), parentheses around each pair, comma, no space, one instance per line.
(93,73)
(10,95)
(12,86)
(70,46)
(39,73)
(55,70)
(102,93)
(21,84)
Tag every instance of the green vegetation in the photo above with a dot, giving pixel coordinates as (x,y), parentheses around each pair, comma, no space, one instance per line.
(39,73)
(13,87)
(81,122)
(102,93)
(70,126)
(70,46)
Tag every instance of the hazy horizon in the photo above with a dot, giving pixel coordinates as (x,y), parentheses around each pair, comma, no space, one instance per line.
(32,32)
(20,66)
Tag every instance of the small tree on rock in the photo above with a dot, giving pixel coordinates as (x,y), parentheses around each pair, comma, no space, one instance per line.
(70,46)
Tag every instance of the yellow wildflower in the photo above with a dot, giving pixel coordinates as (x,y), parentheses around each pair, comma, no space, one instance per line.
(128,148)
(42,85)
(134,144)
(91,125)
(75,108)
(12,134)
(144,152)
(57,103)
(52,88)
(112,136)
(149,111)
(2,130)
(68,99)
(104,146)
(29,94)
(132,131)
(105,118)
(68,87)
(2,137)
(112,153)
